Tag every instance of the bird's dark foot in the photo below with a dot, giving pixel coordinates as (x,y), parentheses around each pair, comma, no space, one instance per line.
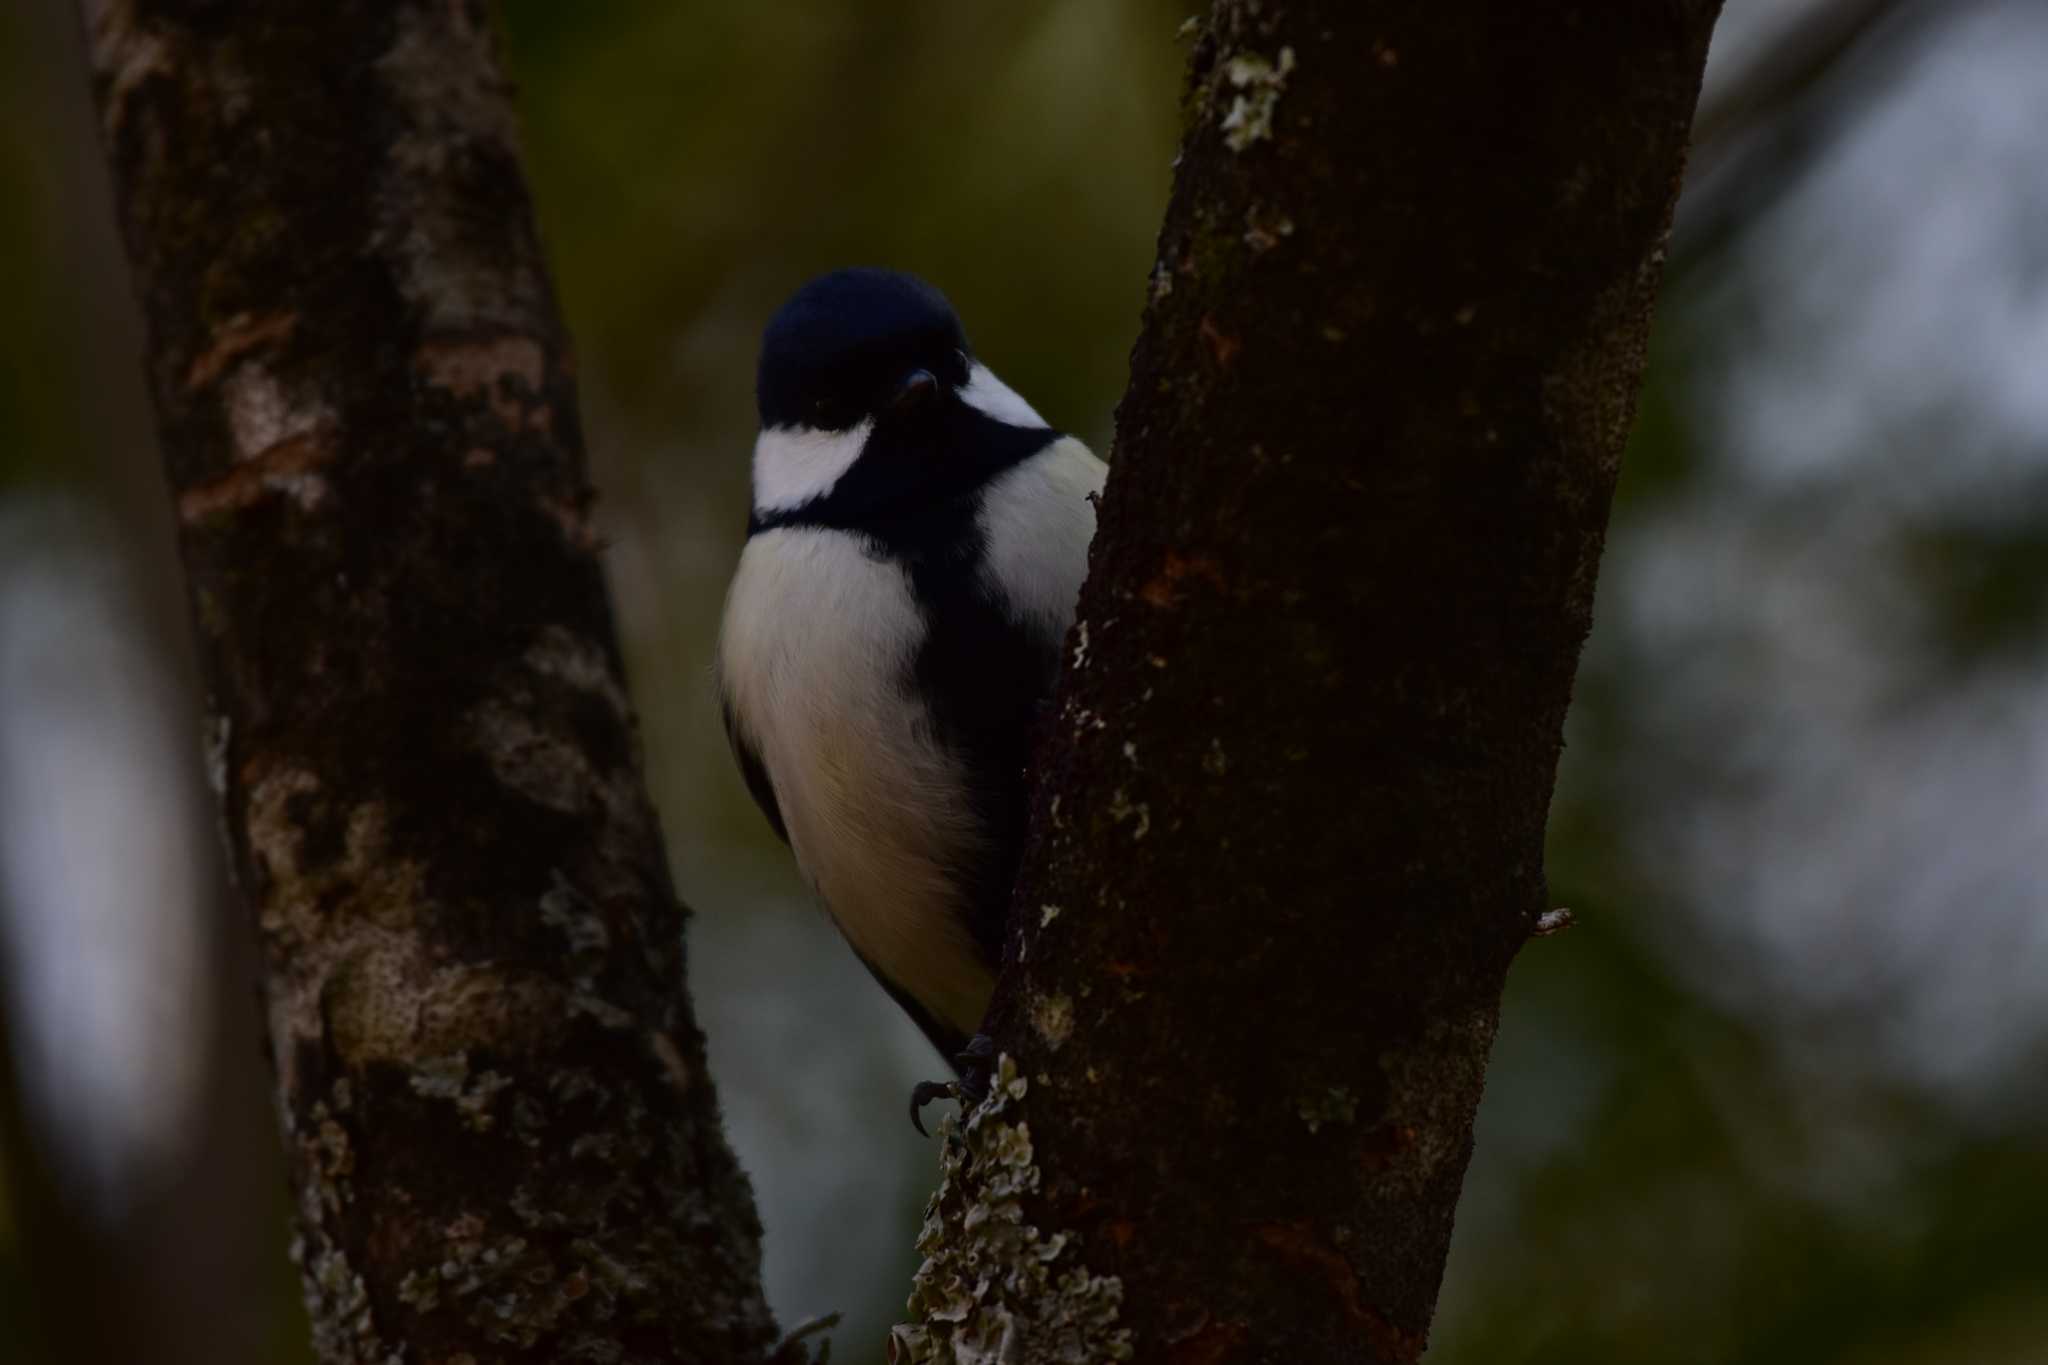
(975,1063)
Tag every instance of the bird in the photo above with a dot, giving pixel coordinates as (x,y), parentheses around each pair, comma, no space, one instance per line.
(915,549)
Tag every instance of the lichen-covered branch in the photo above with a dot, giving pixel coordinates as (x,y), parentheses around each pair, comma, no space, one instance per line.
(502,1137)
(1288,833)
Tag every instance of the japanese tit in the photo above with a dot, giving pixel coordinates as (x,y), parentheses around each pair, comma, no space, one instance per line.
(916,546)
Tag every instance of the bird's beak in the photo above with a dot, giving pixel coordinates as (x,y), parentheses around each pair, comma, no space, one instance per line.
(916,389)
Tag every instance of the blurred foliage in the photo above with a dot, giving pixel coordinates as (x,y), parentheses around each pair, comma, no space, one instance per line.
(1669,1167)
(35,351)
(1016,155)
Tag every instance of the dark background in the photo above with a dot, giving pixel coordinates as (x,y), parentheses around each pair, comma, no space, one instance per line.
(1778,1097)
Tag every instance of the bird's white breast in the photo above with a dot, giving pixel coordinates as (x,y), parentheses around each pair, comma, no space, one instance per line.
(816,659)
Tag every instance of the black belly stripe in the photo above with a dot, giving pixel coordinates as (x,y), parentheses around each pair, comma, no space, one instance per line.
(987,676)
(914,497)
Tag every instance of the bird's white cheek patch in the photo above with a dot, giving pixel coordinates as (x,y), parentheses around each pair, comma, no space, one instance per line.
(998,400)
(793,465)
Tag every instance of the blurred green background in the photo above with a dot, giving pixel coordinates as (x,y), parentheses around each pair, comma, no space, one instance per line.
(1778,1097)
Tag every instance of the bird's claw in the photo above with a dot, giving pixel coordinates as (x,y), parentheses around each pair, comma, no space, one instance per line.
(922,1094)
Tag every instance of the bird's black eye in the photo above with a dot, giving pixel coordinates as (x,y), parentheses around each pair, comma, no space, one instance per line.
(912,392)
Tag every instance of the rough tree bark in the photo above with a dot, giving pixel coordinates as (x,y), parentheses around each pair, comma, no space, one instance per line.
(502,1137)
(1289,828)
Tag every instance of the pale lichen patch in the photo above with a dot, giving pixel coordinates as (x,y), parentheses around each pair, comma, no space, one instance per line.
(1259,82)
(1336,1104)
(559,654)
(571,913)
(262,415)
(279,440)
(390,1004)
(992,1287)
(572,519)
(467,368)
(1162,281)
(339,1305)
(375,995)
(603,1011)
(582,925)
(366,988)
(420,1290)
(1053,1016)
(220,730)
(544,766)
(458,110)
(448,1078)
(126,53)
(1265,229)
(337,1160)
(440,1078)
(273,831)
(1122,808)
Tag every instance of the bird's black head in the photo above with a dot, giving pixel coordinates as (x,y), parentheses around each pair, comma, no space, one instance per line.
(875,416)
(858,344)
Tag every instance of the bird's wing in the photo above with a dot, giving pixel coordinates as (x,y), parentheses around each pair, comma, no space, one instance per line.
(759,785)
(948,1040)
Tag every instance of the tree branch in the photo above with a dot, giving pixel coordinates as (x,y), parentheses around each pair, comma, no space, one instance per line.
(502,1137)
(1289,826)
